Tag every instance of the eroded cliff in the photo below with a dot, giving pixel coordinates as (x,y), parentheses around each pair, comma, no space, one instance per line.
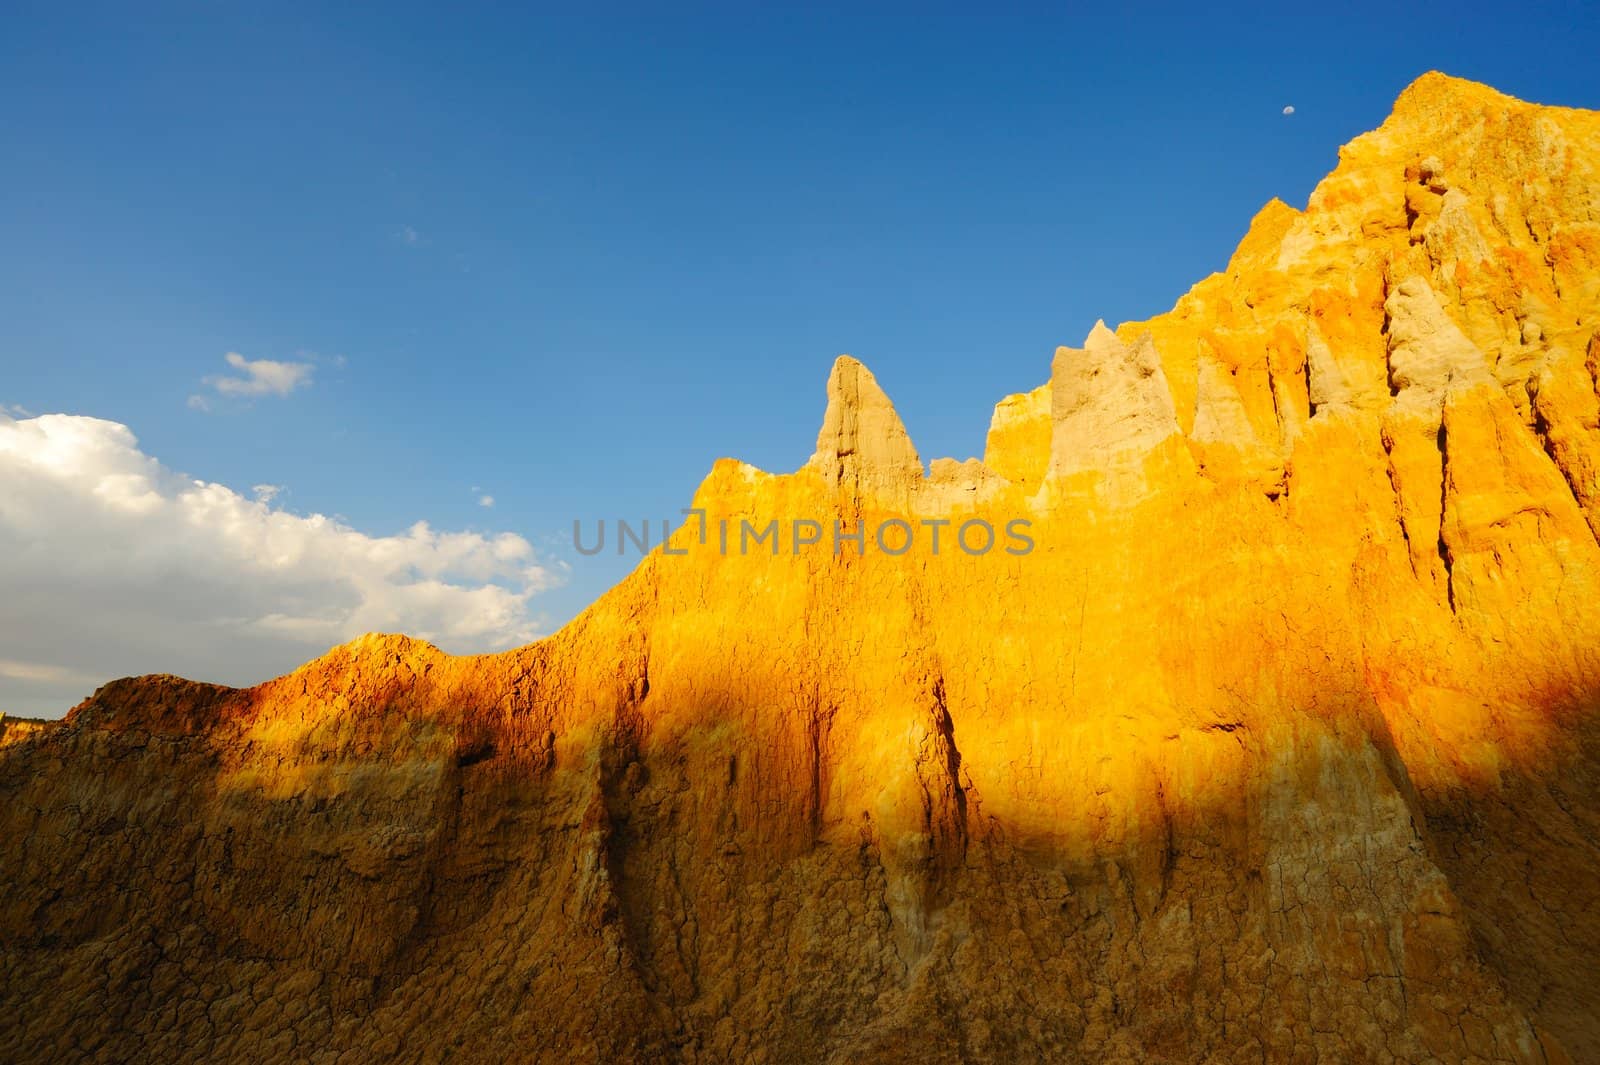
(1279,744)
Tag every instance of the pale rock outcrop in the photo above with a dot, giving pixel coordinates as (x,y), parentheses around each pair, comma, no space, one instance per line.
(1427,351)
(953,484)
(1333,386)
(1428,357)
(1110,404)
(1219,415)
(863,446)
(1227,444)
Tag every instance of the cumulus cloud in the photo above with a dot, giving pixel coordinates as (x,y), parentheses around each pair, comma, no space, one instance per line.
(1289,110)
(257,377)
(112,564)
(486,501)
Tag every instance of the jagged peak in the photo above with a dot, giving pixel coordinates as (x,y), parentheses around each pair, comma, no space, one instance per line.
(1100,337)
(1265,235)
(1435,90)
(862,442)
(1109,402)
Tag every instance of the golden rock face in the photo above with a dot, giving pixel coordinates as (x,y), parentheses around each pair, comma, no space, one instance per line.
(1280,743)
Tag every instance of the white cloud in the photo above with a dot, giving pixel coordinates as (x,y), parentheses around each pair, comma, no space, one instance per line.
(1288,110)
(266,493)
(39,672)
(486,501)
(261,377)
(409,237)
(112,564)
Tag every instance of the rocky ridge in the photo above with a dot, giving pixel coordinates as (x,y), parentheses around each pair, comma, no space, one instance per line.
(1279,745)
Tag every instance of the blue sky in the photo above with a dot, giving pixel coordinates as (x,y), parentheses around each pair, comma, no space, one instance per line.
(569,263)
